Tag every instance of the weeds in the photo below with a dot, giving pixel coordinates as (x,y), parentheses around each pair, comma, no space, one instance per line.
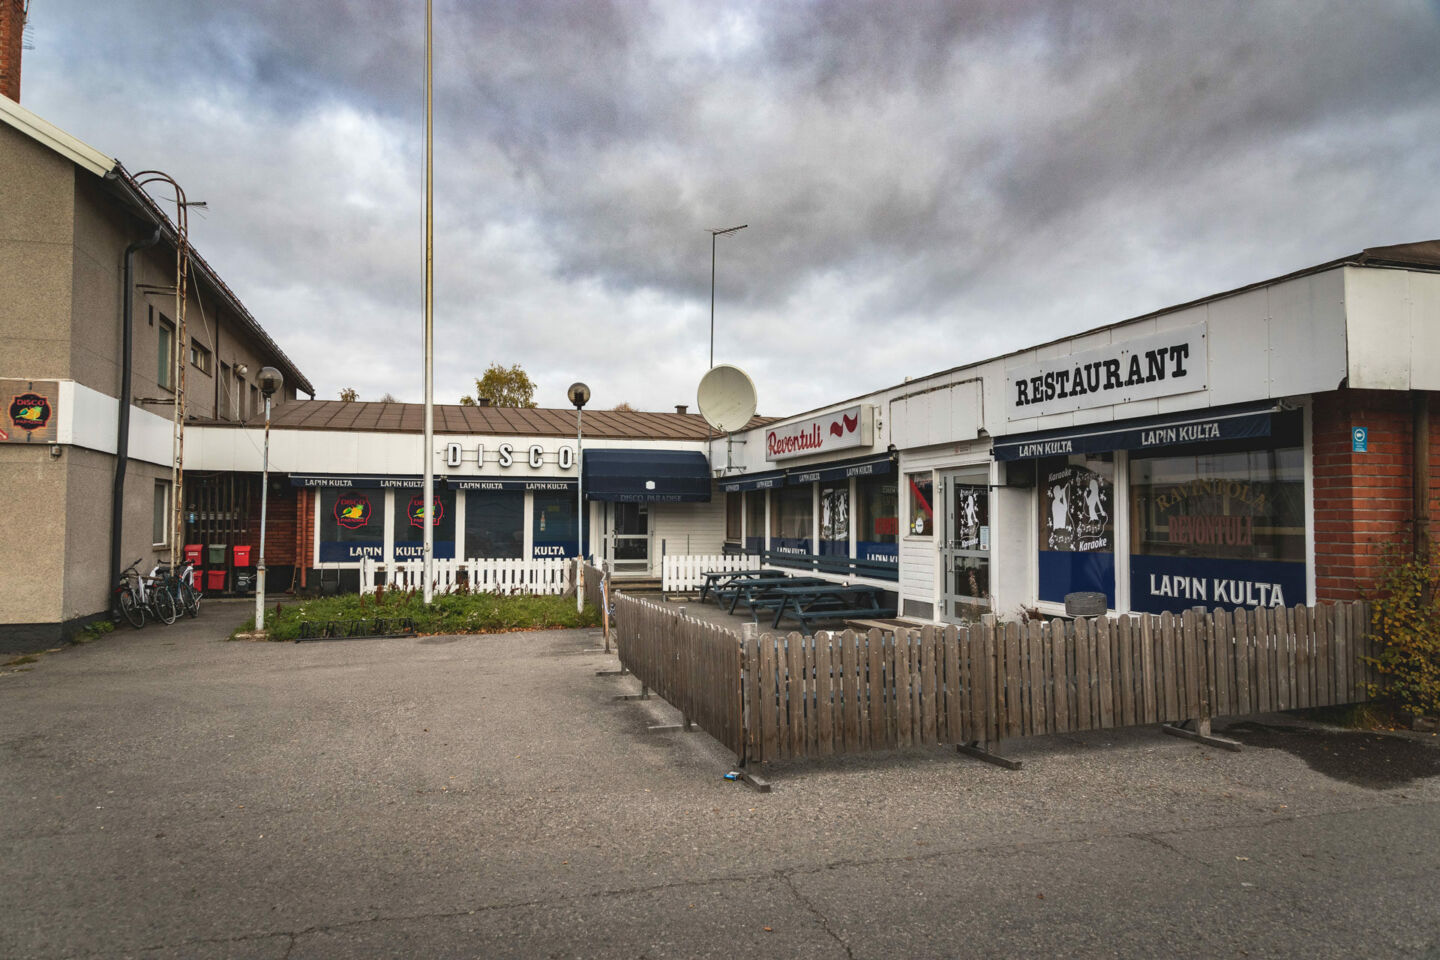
(447,613)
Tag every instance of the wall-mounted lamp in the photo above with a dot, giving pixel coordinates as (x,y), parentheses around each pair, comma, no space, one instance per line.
(55,451)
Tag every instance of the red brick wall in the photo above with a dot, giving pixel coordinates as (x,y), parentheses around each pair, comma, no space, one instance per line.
(12,32)
(280,526)
(1363,502)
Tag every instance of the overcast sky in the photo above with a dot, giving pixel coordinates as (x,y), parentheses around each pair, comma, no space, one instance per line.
(926,184)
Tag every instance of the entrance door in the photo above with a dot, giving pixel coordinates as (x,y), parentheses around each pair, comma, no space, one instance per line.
(965,547)
(630,539)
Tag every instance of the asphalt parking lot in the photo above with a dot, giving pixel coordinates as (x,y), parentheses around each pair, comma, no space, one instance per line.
(166,793)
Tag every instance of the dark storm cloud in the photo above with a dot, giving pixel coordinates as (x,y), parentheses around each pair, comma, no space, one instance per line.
(925,183)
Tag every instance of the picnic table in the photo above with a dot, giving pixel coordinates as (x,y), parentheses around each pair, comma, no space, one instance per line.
(755,591)
(715,579)
(826,601)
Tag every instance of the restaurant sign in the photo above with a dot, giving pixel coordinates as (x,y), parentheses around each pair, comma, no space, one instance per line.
(840,430)
(1158,365)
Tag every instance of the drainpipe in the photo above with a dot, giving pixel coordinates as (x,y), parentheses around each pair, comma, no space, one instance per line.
(122,436)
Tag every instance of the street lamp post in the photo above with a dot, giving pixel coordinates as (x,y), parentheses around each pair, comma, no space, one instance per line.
(579,395)
(270,381)
(713,234)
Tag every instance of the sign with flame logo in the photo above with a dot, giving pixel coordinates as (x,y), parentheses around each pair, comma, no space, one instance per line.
(30,414)
(838,430)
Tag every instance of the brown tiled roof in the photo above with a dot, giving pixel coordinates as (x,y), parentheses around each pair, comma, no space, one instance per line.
(491,421)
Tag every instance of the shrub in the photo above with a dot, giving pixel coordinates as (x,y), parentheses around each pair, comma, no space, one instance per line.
(1405,617)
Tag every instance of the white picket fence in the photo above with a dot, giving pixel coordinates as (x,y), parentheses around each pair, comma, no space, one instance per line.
(485,575)
(681,572)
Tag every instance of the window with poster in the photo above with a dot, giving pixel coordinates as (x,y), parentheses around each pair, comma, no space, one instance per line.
(965,544)
(877,520)
(792,516)
(732,517)
(409,525)
(1077,526)
(1221,525)
(553,527)
(920,494)
(835,518)
(351,525)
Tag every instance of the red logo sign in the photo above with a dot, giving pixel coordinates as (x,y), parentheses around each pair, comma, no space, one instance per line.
(352,510)
(30,411)
(417,513)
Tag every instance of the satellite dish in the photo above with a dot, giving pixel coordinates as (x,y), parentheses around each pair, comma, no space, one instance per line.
(726,397)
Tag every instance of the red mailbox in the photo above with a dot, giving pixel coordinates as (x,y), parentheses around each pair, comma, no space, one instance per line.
(214,581)
(193,552)
(242,556)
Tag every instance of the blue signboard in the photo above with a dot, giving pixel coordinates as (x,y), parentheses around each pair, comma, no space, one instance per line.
(1067,571)
(1176,584)
(877,552)
(1360,439)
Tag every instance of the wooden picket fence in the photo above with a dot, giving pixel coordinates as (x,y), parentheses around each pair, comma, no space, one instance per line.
(778,697)
(681,573)
(693,665)
(546,576)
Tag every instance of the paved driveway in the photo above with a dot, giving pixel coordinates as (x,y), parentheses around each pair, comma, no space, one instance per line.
(167,794)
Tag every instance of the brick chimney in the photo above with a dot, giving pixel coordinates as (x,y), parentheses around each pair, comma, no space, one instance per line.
(12,36)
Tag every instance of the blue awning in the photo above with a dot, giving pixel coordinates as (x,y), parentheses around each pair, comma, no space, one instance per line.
(371,480)
(842,470)
(647,476)
(510,483)
(753,481)
(1145,433)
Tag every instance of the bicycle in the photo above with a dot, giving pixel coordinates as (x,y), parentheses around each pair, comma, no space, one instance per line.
(181,587)
(128,603)
(160,601)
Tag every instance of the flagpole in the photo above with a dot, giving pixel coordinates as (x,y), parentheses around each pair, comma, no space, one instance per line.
(428,453)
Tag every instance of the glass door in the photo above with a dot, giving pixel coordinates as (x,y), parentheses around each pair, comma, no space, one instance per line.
(965,547)
(630,538)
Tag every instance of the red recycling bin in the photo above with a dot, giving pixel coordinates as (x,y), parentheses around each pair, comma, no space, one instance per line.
(214,580)
(242,556)
(193,552)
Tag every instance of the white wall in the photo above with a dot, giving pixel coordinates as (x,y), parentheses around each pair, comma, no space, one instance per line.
(1393,329)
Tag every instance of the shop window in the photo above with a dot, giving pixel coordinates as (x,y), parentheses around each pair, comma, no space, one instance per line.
(495,524)
(920,492)
(200,358)
(553,527)
(409,525)
(1077,527)
(835,518)
(160,521)
(877,519)
(351,525)
(792,519)
(965,545)
(165,353)
(732,517)
(1218,529)
(755,521)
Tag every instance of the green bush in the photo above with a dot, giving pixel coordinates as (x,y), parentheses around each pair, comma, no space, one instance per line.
(1405,617)
(447,613)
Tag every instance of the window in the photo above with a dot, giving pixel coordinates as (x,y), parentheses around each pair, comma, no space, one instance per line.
(255,408)
(351,525)
(732,516)
(835,518)
(552,526)
(495,524)
(409,525)
(1077,526)
(876,519)
(165,355)
(225,411)
(920,489)
(160,523)
(792,519)
(200,358)
(755,521)
(239,398)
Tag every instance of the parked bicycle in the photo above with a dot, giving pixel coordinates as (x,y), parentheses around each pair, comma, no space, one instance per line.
(159,596)
(180,586)
(129,597)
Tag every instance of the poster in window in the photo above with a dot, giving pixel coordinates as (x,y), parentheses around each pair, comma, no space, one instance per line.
(972,516)
(1077,510)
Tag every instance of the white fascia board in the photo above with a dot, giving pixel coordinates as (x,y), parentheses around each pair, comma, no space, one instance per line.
(44,132)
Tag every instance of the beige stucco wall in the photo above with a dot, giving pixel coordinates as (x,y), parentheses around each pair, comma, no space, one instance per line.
(32,565)
(35,248)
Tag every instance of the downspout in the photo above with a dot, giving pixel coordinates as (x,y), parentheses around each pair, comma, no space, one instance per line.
(1420,485)
(122,435)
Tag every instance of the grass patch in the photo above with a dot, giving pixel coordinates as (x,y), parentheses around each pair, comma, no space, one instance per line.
(448,613)
(95,631)
(21,660)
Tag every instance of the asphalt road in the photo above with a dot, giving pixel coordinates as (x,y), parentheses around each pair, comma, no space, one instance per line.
(167,794)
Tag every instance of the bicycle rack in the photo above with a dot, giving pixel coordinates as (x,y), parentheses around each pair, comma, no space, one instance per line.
(362,629)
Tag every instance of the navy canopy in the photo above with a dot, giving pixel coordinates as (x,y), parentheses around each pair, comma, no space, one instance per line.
(511,483)
(413,482)
(1195,426)
(753,481)
(842,470)
(647,476)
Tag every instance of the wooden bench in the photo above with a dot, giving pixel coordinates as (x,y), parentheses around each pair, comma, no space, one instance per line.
(831,601)
(715,579)
(757,591)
